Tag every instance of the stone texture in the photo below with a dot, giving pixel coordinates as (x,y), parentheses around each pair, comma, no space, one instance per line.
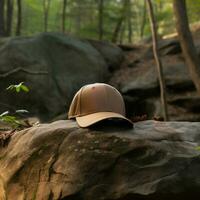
(112,55)
(155,160)
(54,66)
(176,77)
(138,82)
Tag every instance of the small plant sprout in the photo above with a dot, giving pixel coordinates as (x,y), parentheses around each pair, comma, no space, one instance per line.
(10,118)
(5,117)
(18,88)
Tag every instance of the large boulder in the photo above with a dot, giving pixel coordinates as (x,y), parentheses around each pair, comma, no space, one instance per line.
(176,77)
(138,82)
(54,66)
(155,160)
(143,93)
(112,55)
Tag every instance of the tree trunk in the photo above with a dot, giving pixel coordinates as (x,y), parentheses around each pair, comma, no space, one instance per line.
(160,6)
(64,15)
(9,17)
(143,20)
(130,31)
(117,30)
(157,59)
(186,41)
(46,6)
(2,19)
(120,21)
(78,21)
(100,9)
(19,17)
(121,37)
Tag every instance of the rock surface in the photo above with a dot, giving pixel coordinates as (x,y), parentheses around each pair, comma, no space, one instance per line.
(155,160)
(138,82)
(54,66)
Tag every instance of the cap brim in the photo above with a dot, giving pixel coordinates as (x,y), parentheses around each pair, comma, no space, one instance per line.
(88,120)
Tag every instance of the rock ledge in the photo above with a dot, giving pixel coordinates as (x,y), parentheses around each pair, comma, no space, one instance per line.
(155,160)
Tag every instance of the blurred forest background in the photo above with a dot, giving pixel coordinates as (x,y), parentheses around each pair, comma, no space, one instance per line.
(121,21)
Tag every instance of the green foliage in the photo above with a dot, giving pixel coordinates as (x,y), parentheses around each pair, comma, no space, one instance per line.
(193,8)
(12,120)
(8,118)
(18,88)
(82,17)
(198,148)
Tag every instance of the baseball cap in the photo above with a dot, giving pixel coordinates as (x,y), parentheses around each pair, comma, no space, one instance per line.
(97,102)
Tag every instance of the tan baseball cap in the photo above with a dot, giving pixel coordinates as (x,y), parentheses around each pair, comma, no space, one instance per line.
(96,102)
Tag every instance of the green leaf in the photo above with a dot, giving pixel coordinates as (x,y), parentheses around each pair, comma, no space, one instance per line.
(24,88)
(18,89)
(12,120)
(198,148)
(8,118)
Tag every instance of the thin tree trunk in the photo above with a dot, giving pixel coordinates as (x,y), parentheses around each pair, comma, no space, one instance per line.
(121,37)
(78,17)
(130,31)
(9,17)
(186,41)
(117,30)
(120,21)
(157,59)
(143,20)
(64,15)
(155,7)
(160,6)
(2,19)
(19,17)
(100,24)
(46,6)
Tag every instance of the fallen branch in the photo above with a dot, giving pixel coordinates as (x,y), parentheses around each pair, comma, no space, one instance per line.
(23,70)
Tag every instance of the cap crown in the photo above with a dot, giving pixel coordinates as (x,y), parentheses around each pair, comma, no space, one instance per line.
(98,97)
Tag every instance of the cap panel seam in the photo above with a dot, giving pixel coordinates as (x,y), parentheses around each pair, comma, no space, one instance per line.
(107,98)
(80,111)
